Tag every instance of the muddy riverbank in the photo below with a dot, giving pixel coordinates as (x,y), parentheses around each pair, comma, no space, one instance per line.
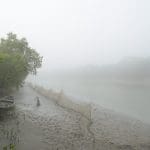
(51,127)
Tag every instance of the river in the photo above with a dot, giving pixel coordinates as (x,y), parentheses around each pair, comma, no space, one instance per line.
(124,97)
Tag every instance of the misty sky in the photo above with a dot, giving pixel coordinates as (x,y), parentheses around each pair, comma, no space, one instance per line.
(80,32)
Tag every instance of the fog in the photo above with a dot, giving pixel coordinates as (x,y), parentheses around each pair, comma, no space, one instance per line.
(103,43)
(77,33)
(96,46)
(122,87)
(93,89)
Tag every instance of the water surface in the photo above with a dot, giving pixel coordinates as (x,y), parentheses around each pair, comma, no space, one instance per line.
(131,98)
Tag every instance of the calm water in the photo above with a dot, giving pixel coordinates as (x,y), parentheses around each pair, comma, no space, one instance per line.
(130,99)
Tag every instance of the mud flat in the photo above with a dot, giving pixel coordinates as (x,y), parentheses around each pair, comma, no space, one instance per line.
(53,126)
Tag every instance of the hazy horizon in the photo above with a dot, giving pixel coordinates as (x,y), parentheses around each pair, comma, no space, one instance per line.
(73,33)
(91,90)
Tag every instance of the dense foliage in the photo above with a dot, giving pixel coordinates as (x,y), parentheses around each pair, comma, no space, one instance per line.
(17,60)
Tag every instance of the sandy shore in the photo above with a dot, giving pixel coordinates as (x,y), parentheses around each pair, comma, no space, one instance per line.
(51,127)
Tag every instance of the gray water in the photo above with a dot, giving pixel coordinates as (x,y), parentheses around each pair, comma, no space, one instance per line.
(132,99)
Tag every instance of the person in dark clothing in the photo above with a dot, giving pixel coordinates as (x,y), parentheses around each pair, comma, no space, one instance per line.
(38,101)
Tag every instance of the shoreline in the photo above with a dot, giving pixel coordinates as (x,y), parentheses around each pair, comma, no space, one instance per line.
(53,127)
(133,124)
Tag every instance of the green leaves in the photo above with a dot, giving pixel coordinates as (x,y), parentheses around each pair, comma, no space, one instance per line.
(10,147)
(17,60)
